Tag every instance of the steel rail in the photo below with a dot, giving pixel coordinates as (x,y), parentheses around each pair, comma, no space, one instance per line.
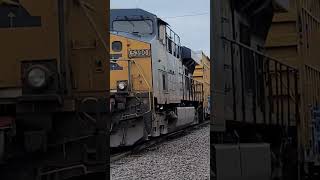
(156,141)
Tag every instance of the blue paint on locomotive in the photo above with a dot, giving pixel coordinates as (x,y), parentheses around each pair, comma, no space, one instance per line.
(115,67)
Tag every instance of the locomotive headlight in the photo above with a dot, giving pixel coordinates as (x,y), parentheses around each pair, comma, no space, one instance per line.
(37,77)
(122,85)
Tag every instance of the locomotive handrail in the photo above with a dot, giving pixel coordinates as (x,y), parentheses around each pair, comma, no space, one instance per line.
(255,51)
(276,78)
(84,6)
(85,170)
(144,78)
(149,87)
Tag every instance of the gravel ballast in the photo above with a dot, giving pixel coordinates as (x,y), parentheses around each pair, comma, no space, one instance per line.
(185,157)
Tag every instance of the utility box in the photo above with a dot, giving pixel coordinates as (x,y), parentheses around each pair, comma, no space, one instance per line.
(255,161)
(242,162)
(227,162)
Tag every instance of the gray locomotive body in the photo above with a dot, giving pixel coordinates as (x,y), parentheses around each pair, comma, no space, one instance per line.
(160,80)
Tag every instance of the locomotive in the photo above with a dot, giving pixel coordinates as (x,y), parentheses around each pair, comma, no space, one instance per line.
(53,89)
(202,74)
(265,95)
(152,91)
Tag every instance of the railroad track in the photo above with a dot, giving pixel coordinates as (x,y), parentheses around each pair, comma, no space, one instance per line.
(158,140)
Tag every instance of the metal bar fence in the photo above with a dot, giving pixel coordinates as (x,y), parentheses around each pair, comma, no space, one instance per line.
(264,97)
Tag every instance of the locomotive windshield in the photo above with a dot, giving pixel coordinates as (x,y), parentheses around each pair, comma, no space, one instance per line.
(133,26)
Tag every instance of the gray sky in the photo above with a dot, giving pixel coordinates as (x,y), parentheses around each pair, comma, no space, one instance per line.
(194,31)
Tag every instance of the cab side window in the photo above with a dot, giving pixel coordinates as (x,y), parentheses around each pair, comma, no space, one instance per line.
(177,46)
(169,47)
(162,34)
(168,40)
